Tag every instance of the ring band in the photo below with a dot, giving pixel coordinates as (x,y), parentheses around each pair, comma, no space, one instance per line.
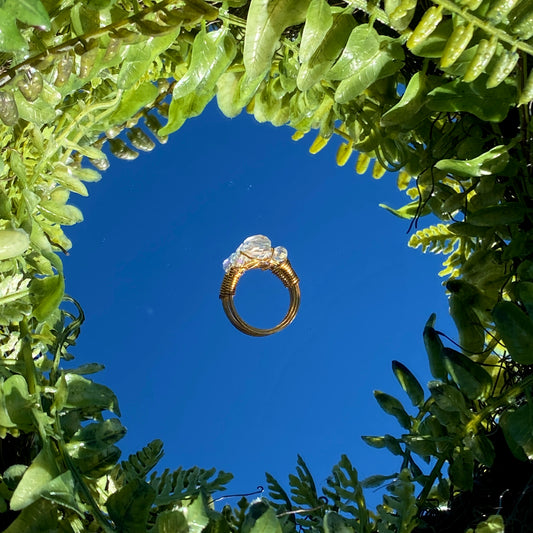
(257,252)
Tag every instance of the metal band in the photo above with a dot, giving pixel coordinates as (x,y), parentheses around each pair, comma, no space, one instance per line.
(283,271)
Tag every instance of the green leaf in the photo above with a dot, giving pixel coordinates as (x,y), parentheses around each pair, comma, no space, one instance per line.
(346,492)
(46,295)
(482,448)
(497,215)
(377,480)
(139,464)
(327,52)
(216,51)
(41,471)
(517,427)
(434,348)
(181,109)
(524,292)
(38,517)
(447,397)
(317,23)
(265,23)
(171,522)
(140,56)
(89,396)
(409,211)
(469,326)
(135,98)
(473,380)
(393,407)
(13,242)
(129,507)
(38,112)
(336,523)
(366,58)
(423,446)
(461,470)
(197,513)
(491,105)
(15,405)
(212,53)
(405,113)
(64,214)
(10,38)
(99,434)
(30,12)
(516,330)
(493,524)
(491,162)
(388,441)
(62,490)
(261,518)
(93,462)
(409,383)
(235,91)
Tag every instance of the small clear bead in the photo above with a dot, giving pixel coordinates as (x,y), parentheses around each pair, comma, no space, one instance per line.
(257,247)
(280,254)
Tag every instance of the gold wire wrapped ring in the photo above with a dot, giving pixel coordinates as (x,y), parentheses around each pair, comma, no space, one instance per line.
(257,252)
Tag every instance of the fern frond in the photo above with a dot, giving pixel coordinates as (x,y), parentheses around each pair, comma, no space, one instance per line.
(139,464)
(494,33)
(171,487)
(303,486)
(277,492)
(304,494)
(347,493)
(398,511)
(437,239)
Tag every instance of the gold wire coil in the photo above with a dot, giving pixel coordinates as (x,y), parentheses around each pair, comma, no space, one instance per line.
(283,271)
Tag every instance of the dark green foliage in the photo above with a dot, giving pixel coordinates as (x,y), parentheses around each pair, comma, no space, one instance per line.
(440,91)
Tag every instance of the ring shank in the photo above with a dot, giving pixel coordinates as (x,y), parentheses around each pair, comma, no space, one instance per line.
(284,272)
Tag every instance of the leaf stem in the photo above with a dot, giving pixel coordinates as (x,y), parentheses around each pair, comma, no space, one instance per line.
(485,26)
(431,480)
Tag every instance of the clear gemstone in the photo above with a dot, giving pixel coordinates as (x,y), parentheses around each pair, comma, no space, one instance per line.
(280,254)
(239,259)
(257,247)
(229,262)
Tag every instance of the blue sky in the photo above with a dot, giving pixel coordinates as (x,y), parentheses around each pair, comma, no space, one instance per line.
(146,267)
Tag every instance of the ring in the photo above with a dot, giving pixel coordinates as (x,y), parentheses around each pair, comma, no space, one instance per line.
(257,252)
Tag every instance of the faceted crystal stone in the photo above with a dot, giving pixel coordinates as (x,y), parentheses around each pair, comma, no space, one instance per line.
(280,254)
(257,247)
(229,262)
(239,259)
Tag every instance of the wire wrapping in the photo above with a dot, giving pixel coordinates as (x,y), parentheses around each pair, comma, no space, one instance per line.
(283,271)
(229,283)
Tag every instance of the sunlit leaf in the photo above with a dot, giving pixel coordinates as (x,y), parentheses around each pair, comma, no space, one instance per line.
(46,294)
(326,53)
(491,162)
(317,23)
(393,407)
(265,22)
(409,383)
(487,104)
(473,380)
(42,470)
